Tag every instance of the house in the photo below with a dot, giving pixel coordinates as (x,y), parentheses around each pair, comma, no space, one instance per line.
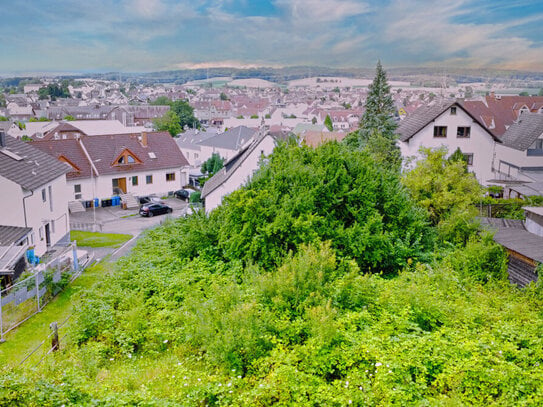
(497,113)
(226,144)
(449,124)
(108,165)
(74,129)
(518,162)
(35,194)
(316,138)
(188,143)
(14,241)
(237,171)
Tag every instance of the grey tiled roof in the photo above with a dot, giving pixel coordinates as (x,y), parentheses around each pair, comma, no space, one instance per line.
(522,134)
(426,114)
(12,234)
(231,166)
(34,170)
(232,139)
(420,118)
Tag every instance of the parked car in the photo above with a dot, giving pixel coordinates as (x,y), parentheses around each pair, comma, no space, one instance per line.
(150,199)
(154,208)
(183,194)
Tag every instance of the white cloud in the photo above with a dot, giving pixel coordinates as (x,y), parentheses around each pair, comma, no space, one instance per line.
(437,34)
(319,11)
(147,9)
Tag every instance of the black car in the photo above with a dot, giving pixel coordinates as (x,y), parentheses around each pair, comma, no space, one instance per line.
(183,194)
(149,199)
(154,208)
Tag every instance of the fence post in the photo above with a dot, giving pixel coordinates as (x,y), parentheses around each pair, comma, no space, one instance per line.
(37,290)
(1,321)
(54,339)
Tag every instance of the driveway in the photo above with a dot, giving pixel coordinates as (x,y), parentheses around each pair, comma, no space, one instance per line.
(113,219)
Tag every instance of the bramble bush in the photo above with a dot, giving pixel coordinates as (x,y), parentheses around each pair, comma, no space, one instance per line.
(269,301)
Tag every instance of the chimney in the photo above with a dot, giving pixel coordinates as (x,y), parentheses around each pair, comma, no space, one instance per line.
(492,95)
(144,139)
(2,139)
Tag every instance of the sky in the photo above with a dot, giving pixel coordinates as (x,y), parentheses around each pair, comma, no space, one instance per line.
(153,35)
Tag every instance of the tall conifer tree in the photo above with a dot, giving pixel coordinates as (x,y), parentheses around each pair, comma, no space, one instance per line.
(378,117)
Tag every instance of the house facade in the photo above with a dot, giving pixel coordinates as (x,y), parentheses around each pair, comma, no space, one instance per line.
(237,171)
(35,193)
(105,166)
(521,150)
(451,126)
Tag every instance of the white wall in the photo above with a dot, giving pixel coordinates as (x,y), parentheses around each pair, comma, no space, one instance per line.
(507,159)
(207,151)
(480,143)
(103,188)
(242,174)
(39,213)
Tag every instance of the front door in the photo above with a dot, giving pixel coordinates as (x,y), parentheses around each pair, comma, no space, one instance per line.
(118,183)
(47,235)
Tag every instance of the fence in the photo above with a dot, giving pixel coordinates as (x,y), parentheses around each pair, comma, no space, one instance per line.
(50,344)
(89,227)
(27,297)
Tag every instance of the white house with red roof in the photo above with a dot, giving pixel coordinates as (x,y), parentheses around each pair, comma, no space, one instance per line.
(108,165)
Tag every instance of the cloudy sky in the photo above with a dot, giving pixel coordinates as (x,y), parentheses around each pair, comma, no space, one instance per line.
(147,35)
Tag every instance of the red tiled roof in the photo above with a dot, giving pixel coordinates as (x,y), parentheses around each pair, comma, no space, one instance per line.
(103,150)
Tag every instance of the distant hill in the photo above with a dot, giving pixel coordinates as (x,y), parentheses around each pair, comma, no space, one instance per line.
(285,74)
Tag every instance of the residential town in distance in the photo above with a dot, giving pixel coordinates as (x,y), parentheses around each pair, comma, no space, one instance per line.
(96,142)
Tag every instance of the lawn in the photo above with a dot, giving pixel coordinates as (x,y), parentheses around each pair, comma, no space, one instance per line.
(29,335)
(96,239)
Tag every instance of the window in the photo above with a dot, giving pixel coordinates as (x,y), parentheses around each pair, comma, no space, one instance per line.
(463,132)
(77,188)
(170,176)
(115,182)
(440,131)
(537,145)
(468,158)
(453,111)
(536,149)
(50,198)
(148,179)
(135,180)
(44,195)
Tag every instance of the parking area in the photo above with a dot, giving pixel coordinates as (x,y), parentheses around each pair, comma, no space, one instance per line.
(114,219)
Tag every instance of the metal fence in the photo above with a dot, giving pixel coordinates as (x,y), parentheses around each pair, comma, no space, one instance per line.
(27,297)
(52,343)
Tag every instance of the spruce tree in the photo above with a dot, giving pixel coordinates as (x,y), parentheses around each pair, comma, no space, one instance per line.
(378,117)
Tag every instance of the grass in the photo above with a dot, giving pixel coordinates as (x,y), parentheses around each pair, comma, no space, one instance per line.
(21,341)
(96,239)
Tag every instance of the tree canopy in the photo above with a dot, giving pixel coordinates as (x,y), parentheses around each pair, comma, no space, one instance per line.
(328,123)
(182,109)
(212,165)
(169,122)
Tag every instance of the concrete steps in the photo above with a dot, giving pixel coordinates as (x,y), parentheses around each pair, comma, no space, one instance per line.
(130,200)
(76,206)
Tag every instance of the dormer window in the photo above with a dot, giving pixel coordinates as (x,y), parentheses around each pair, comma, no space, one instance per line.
(126,157)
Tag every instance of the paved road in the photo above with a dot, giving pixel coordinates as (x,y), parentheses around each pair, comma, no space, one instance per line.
(116,220)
